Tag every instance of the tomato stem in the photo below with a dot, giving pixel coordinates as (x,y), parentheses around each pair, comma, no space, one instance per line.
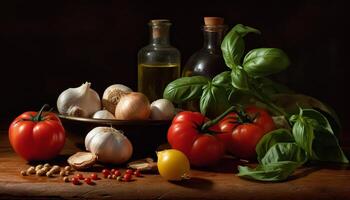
(38,117)
(210,123)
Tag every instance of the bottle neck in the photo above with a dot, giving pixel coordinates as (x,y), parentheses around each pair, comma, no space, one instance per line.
(159,34)
(213,36)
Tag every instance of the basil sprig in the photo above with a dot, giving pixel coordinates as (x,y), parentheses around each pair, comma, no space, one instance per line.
(281,152)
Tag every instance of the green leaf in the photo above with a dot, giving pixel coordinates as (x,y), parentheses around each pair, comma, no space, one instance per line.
(278,171)
(214,100)
(303,133)
(270,139)
(326,148)
(265,61)
(321,120)
(292,102)
(232,46)
(280,161)
(239,79)
(185,89)
(284,152)
(223,79)
(325,145)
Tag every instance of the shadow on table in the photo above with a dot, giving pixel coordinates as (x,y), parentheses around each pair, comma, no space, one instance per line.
(195,183)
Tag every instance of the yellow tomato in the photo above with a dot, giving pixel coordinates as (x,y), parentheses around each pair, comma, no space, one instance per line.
(173,165)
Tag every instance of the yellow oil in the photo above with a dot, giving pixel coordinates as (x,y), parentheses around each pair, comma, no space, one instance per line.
(152,79)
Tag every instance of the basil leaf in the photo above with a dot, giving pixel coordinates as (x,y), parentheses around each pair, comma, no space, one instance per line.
(239,78)
(265,61)
(278,171)
(232,46)
(280,161)
(270,139)
(223,79)
(325,145)
(326,148)
(284,152)
(321,120)
(214,100)
(303,133)
(185,89)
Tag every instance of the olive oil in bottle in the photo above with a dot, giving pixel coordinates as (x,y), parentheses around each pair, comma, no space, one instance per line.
(155,77)
(158,62)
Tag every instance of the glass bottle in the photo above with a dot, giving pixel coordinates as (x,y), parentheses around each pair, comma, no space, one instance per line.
(158,62)
(208,61)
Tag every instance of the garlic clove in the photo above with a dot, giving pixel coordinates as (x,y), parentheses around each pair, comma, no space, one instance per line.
(82,160)
(112,95)
(103,114)
(76,111)
(162,109)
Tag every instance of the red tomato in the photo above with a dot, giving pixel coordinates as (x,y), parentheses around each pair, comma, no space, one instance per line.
(241,137)
(184,134)
(37,136)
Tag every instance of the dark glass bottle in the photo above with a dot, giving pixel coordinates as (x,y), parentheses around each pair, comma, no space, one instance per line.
(208,61)
(158,62)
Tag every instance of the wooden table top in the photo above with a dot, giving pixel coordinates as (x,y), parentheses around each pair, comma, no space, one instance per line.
(326,182)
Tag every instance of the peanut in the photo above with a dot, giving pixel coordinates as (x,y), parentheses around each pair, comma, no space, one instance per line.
(31,170)
(40,172)
(38,167)
(24,173)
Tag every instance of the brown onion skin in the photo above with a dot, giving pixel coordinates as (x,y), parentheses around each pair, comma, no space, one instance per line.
(133,106)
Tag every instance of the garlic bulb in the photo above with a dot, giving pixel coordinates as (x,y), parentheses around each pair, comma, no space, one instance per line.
(162,109)
(80,102)
(112,95)
(103,114)
(109,144)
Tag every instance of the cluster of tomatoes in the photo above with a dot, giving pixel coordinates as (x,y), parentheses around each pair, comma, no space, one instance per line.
(236,133)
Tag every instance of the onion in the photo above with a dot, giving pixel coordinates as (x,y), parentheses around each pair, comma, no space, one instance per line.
(109,145)
(133,106)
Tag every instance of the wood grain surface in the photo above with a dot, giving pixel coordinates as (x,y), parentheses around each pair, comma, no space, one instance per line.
(324,182)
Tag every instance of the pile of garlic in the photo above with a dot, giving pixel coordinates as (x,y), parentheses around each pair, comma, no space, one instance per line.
(118,102)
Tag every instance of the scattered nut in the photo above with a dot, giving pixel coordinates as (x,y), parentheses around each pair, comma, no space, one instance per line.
(47,165)
(24,173)
(46,169)
(62,173)
(65,179)
(49,174)
(55,169)
(40,172)
(67,168)
(31,170)
(113,176)
(66,173)
(119,178)
(38,167)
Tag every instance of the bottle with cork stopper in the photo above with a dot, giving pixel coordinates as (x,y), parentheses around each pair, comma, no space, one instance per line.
(158,62)
(208,61)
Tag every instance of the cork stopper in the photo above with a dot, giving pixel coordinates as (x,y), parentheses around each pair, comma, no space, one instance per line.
(213,21)
(159,21)
(160,27)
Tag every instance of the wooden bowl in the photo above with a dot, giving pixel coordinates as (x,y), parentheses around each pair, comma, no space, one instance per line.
(145,135)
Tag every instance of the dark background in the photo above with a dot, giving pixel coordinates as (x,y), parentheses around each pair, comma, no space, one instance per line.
(46,47)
